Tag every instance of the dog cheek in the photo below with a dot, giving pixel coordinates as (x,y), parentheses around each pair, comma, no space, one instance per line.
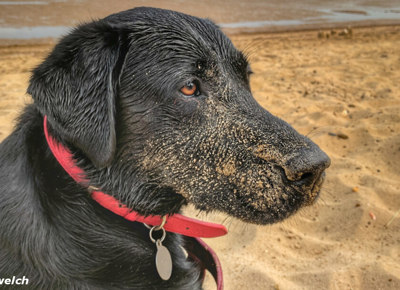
(186,106)
(163,162)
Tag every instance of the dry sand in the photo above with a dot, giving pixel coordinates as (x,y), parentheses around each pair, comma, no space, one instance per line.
(343,92)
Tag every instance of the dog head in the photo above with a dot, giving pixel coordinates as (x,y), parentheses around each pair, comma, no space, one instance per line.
(158,109)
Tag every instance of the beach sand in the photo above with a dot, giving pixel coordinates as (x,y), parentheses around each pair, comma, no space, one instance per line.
(343,92)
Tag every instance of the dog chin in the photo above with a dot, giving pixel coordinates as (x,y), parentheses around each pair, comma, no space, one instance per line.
(266,218)
(277,212)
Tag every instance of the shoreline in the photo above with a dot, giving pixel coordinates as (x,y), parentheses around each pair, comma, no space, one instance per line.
(9,42)
(312,27)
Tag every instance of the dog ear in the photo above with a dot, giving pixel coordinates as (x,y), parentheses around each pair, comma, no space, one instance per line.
(76,88)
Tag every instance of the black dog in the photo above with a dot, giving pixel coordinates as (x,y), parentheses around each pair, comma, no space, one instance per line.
(156,108)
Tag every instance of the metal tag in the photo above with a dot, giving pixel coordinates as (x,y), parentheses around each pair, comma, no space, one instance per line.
(163,261)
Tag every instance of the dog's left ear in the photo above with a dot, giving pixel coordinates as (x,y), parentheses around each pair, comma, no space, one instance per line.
(76,88)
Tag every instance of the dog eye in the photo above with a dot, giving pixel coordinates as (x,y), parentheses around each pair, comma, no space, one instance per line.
(190,89)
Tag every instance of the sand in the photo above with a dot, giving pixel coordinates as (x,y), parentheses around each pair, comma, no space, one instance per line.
(343,92)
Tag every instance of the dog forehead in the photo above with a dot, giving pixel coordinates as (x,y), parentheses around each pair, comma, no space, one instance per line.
(175,31)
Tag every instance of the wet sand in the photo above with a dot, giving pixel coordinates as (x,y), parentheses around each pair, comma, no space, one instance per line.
(46,18)
(340,89)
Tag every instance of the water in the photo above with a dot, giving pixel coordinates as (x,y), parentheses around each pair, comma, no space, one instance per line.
(30,2)
(23,3)
(54,18)
(33,32)
(371,13)
(327,16)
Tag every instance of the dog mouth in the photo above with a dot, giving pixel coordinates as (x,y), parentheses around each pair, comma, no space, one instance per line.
(271,207)
(311,192)
(260,195)
(316,189)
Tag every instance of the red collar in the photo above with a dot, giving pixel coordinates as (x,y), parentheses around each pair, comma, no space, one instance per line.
(175,223)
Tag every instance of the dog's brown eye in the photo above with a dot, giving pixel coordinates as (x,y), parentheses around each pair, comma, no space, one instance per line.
(190,89)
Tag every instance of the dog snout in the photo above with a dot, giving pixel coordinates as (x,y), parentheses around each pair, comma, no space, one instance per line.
(307,168)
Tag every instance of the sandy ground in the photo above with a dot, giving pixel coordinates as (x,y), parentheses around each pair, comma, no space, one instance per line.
(343,92)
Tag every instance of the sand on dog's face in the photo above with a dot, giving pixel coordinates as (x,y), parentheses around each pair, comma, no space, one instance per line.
(343,84)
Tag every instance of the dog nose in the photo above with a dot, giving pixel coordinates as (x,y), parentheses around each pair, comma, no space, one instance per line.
(307,168)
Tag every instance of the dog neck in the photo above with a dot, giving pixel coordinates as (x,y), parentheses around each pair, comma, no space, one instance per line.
(175,223)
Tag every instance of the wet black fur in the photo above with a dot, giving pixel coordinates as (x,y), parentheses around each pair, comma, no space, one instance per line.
(110,90)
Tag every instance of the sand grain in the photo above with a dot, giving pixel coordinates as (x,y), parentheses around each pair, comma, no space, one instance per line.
(327,88)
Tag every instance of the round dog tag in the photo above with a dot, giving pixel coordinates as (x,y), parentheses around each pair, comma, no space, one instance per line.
(163,261)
